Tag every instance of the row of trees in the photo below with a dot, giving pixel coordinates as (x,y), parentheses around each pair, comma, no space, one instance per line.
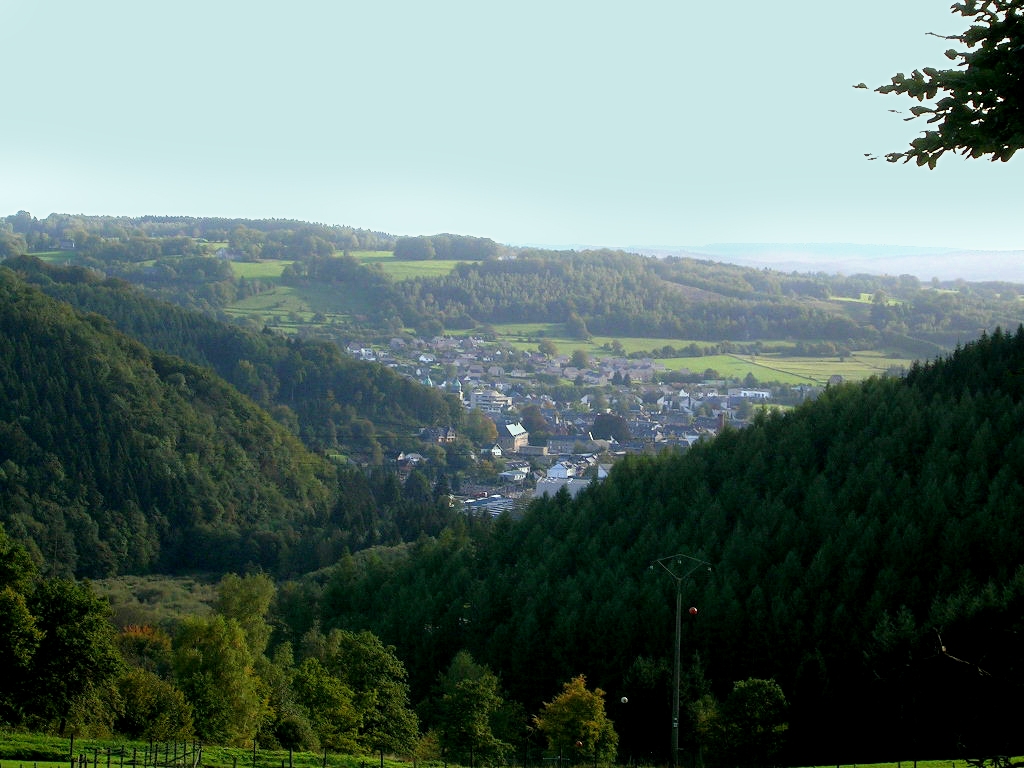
(457,247)
(226,677)
(214,677)
(247,236)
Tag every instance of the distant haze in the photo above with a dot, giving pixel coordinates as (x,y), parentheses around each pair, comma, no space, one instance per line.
(662,122)
(849,259)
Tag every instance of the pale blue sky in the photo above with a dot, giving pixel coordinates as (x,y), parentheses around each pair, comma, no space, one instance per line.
(651,123)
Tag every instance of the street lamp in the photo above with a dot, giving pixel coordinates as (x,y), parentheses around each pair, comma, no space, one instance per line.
(676,567)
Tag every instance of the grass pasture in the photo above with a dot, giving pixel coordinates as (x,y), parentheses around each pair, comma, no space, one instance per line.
(397,270)
(27,750)
(859,365)
(55,257)
(769,367)
(406,270)
(372,257)
(288,306)
(790,369)
(259,270)
(526,336)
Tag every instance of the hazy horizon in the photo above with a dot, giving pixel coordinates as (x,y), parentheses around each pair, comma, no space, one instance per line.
(536,123)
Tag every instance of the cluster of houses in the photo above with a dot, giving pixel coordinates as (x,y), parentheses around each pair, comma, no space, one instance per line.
(499,382)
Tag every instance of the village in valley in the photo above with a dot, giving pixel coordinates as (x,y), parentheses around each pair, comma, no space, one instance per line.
(622,405)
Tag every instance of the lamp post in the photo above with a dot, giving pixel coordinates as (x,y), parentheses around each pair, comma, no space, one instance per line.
(676,567)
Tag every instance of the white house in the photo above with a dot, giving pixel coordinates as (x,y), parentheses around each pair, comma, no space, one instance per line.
(562,470)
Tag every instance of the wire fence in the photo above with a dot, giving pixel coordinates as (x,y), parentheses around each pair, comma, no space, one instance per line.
(171,754)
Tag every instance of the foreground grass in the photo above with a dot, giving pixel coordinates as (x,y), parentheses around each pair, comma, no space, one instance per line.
(25,750)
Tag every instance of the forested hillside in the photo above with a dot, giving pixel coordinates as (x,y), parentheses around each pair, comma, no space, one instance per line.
(613,293)
(117,458)
(866,553)
(610,293)
(337,402)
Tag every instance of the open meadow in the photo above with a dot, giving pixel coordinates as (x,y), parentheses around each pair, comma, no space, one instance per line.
(287,307)
(406,270)
(259,270)
(776,367)
(27,750)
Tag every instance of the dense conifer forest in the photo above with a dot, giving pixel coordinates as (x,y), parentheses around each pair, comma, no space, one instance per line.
(119,458)
(336,401)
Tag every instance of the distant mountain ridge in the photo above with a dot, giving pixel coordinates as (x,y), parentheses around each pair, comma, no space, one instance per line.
(850,258)
(924,263)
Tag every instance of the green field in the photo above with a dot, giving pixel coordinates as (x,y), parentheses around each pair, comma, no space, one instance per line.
(287,305)
(406,270)
(24,750)
(526,336)
(372,257)
(56,257)
(788,369)
(770,367)
(396,270)
(29,750)
(258,270)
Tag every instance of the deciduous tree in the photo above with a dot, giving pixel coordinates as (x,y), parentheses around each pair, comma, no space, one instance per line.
(214,667)
(747,729)
(414,248)
(469,698)
(980,106)
(152,708)
(575,722)
(377,679)
(329,701)
(246,599)
(479,427)
(579,359)
(76,657)
(19,640)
